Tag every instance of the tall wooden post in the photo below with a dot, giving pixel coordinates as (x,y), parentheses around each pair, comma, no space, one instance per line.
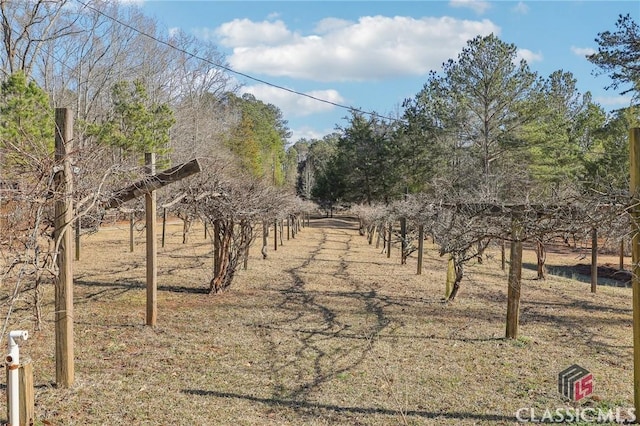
(389,241)
(621,254)
(420,247)
(152,244)
(216,249)
(403,236)
(64,281)
(131,225)
(515,275)
(634,163)
(78,229)
(164,225)
(594,260)
(275,235)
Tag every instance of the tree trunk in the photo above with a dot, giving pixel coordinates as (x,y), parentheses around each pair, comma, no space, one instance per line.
(541,255)
(515,281)
(459,274)
(219,281)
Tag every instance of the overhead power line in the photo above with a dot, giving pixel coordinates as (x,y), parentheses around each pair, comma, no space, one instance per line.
(231,70)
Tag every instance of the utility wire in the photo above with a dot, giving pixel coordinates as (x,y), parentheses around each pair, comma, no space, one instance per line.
(231,70)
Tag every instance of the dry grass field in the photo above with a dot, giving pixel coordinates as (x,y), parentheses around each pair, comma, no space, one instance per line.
(325,331)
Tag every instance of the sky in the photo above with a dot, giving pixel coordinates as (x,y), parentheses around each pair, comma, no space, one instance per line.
(372,55)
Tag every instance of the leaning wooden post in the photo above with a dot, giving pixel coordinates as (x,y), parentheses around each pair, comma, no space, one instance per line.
(594,260)
(152,244)
(515,275)
(62,234)
(634,163)
(420,247)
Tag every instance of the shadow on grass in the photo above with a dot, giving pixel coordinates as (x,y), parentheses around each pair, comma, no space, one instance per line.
(112,289)
(304,405)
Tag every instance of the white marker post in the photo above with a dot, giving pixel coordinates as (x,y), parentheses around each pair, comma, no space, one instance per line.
(13,364)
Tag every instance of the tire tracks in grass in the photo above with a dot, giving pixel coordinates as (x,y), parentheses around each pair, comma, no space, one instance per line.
(325,332)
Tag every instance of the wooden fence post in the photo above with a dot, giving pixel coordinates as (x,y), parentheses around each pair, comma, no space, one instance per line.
(420,247)
(63,218)
(594,260)
(403,236)
(164,225)
(26,403)
(515,275)
(217,249)
(152,244)
(634,163)
(77,235)
(389,241)
(131,225)
(275,235)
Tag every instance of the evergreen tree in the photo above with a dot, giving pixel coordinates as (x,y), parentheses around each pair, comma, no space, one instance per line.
(619,55)
(26,125)
(135,124)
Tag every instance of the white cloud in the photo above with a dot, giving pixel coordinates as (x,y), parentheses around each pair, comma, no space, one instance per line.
(528,56)
(478,6)
(293,105)
(521,8)
(613,101)
(328,25)
(241,33)
(373,48)
(583,51)
(173,31)
(308,133)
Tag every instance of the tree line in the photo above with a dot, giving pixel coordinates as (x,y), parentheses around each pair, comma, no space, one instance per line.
(485,127)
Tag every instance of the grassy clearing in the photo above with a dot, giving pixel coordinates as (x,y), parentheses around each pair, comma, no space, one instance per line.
(325,331)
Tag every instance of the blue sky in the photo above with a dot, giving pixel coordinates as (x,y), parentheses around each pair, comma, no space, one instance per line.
(374,54)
